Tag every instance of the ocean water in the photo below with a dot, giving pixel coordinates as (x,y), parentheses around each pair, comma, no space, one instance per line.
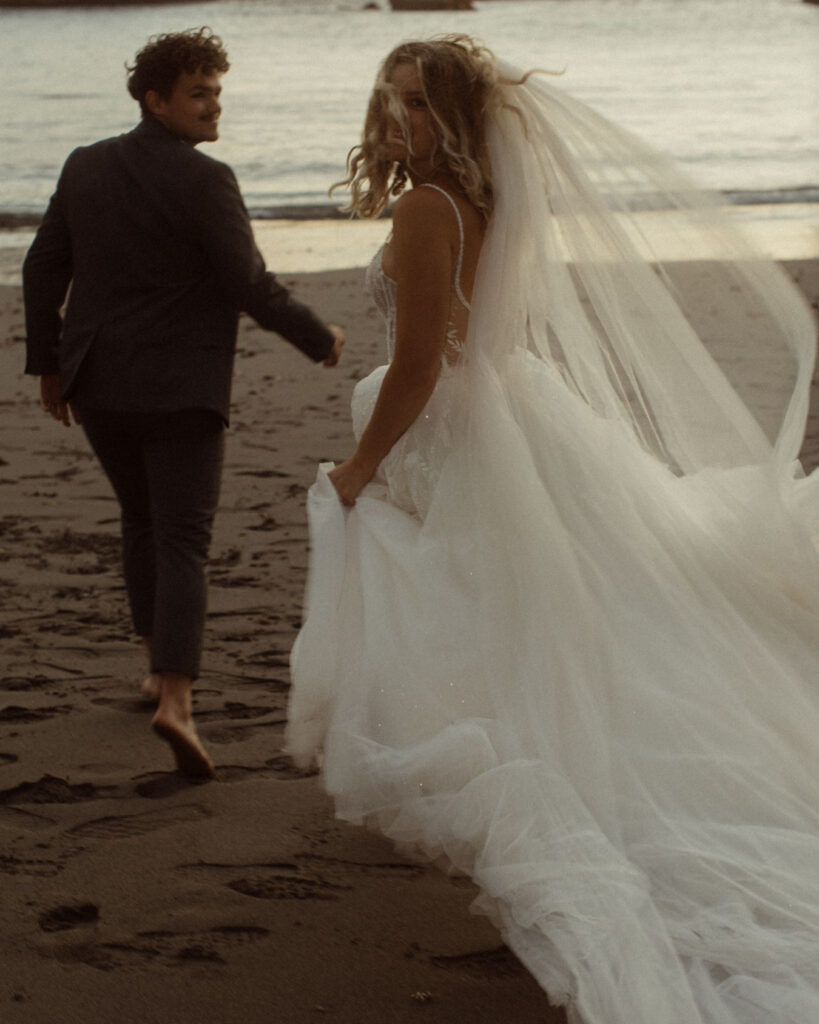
(729,87)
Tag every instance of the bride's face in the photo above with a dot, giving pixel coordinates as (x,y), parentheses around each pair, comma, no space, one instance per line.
(412,137)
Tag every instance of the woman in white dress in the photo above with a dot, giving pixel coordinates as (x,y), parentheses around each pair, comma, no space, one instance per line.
(561,625)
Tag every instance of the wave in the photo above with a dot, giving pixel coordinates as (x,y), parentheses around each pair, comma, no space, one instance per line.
(764,197)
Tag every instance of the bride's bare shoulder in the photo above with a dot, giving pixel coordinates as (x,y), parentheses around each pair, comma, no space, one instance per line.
(419,204)
(425,213)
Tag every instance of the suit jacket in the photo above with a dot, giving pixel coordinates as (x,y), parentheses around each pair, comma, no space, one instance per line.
(155,242)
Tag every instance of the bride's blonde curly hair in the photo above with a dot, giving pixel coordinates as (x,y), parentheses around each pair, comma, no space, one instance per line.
(458,78)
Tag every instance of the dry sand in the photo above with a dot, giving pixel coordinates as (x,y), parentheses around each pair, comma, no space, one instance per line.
(130,895)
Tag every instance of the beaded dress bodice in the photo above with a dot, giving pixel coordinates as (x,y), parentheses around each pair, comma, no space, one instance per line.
(384,292)
(412,466)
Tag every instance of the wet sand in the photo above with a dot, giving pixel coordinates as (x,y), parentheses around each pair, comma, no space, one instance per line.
(131,895)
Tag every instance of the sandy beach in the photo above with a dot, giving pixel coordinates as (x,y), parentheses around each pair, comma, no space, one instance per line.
(133,896)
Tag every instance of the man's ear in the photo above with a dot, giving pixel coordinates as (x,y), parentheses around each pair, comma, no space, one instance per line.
(153,101)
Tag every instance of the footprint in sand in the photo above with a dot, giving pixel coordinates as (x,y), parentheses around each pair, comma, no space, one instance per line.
(234,710)
(63,918)
(17,715)
(386,869)
(165,948)
(132,705)
(275,881)
(237,733)
(16,684)
(161,785)
(280,767)
(138,824)
(15,818)
(32,867)
(487,963)
(286,887)
(53,790)
(215,732)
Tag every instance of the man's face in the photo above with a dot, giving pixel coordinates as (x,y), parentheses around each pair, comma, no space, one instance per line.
(192,110)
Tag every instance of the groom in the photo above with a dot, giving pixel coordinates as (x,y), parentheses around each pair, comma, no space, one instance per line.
(154,240)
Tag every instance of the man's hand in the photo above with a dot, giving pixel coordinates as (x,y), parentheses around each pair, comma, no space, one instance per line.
(52,402)
(338,345)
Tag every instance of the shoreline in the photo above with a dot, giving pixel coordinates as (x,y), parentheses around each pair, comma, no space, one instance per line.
(783,232)
(13,220)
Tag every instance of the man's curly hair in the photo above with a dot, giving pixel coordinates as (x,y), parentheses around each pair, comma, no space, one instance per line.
(164,58)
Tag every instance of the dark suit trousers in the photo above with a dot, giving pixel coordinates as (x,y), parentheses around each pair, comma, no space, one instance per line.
(165,469)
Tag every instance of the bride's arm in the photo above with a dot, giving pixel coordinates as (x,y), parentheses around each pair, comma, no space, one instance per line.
(421,253)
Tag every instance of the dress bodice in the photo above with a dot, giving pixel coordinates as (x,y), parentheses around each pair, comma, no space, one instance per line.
(385,293)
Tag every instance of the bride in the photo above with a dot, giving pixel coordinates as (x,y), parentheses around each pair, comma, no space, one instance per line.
(561,626)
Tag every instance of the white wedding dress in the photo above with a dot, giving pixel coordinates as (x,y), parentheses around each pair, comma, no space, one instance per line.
(568,643)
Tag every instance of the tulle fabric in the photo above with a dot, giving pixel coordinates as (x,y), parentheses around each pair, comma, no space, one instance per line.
(566,640)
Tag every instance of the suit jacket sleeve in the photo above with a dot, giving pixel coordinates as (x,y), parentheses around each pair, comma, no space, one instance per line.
(225,232)
(47,272)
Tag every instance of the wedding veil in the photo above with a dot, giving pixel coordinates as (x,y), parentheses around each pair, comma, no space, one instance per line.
(588,263)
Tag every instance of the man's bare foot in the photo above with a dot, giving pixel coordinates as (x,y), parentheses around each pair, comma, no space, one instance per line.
(149,688)
(173,722)
(191,756)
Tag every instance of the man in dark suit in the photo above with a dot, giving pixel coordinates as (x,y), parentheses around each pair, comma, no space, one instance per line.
(154,240)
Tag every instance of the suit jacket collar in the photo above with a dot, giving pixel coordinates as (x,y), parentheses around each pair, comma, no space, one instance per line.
(150,128)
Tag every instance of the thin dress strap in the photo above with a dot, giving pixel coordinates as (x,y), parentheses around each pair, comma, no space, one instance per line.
(459,264)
